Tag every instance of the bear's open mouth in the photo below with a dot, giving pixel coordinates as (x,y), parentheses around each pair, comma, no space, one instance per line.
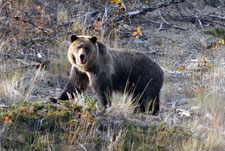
(83,59)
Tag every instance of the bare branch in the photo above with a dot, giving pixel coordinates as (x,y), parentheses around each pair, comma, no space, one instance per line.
(42,61)
(201,19)
(44,30)
(143,11)
(50,38)
(167,23)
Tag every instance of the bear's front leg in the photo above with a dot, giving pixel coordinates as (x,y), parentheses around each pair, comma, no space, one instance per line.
(102,87)
(78,82)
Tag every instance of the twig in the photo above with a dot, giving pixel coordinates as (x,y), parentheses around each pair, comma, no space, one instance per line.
(163,18)
(23,67)
(106,8)
(179,10)
(44,30)
(167,23)
(216,17)
(199,21)
(82,146)
(160,27)
(46,38)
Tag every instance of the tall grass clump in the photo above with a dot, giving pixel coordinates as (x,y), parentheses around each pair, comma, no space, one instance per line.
(18,86)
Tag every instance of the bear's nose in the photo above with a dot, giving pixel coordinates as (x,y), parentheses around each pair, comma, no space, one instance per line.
(82,59)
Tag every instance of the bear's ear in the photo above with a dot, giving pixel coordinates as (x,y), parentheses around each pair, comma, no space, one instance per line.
(93,39)
(73,38)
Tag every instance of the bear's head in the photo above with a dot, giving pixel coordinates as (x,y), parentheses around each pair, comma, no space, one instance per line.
(82,51)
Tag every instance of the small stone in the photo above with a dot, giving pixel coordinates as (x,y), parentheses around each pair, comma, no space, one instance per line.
(195,109)
(179,102)
(138,41)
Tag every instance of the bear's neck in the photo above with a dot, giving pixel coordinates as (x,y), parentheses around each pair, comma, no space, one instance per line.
(94,69)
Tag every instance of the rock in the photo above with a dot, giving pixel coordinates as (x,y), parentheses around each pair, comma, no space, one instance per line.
(3,106)
(179,102)
(183,113)
(196,109)
(138,41)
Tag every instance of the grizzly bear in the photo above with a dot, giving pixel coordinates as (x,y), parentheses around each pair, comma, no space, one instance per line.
(108,71)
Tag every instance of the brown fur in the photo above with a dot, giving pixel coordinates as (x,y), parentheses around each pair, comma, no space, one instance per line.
(111,70)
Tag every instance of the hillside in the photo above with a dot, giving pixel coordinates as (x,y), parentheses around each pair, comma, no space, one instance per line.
(185,37)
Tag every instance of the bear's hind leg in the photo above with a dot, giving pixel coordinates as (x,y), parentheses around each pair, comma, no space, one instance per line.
(150,105)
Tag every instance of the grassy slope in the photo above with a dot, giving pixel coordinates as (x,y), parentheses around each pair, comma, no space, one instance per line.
(39,126)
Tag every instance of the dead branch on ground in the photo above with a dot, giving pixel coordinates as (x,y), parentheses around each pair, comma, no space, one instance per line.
(142,11)
(41,60)
(201,19)
(169,24)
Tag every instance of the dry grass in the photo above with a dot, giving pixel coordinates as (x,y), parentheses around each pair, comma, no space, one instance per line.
(122,105)
(20,86)
(208,125)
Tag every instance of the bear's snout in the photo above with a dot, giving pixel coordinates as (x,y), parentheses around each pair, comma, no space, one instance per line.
(82,58)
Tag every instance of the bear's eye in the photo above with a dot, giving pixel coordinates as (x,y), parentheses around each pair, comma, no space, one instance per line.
(79,47)
(86,47)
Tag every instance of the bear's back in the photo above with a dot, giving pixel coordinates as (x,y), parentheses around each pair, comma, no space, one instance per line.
(134,68)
